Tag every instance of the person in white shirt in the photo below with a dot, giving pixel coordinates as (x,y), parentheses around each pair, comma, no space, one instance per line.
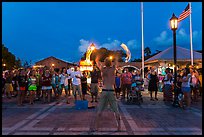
(62,79)
(185,87)
(76,83)
(69,71)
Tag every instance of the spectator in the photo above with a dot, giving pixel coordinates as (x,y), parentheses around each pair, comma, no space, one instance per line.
(185,87)
(138,80)
(69,71)
(95,76)
(200,80)
(178,87)
(21,85)
(38,83)
(66,88)
(84,85)
(14,82)
(46,85)
(62,76)
(57,84)
(8,84)
(153,83)
(32,86)
(54,84)
(126,79)
(195,84)
(117,84)
(167,89)
(76,75)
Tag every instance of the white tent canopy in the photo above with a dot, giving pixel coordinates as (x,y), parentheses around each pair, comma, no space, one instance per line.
(183,54)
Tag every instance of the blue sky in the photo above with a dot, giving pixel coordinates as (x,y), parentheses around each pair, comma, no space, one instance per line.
(36,30)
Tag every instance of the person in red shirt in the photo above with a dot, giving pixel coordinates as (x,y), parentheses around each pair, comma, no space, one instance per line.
(126,79)
(46,85)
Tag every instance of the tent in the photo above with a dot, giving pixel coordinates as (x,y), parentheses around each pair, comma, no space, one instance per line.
(166,58)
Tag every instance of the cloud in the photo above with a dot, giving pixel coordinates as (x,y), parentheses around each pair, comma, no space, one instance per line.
(182,38)
(182,33)
(133,44)
(162,39)
(112,45)
(84,44)
(109,39)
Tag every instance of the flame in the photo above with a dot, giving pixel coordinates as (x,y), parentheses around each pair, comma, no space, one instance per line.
(128,53)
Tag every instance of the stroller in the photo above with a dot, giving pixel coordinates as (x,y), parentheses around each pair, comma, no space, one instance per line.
(135,96)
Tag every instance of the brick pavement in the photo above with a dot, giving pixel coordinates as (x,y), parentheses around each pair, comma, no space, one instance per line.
(150,118)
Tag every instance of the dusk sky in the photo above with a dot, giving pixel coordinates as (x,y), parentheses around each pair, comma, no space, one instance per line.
(37,30)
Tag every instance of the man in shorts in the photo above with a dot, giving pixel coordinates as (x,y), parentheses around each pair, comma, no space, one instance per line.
(76,75)
(95,75)
(107,96)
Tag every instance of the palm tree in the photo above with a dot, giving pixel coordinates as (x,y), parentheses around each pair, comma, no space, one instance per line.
(147,51)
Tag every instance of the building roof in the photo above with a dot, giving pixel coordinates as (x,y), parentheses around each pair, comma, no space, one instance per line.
(54,58)
(183,54)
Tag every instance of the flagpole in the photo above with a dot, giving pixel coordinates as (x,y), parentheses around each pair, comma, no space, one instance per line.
(191,41)
(142,41)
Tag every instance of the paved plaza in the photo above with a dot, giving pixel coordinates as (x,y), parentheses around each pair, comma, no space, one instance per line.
(150,118)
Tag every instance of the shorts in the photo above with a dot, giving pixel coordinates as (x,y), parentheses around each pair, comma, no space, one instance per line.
(8,87)
(54,86)
(84,88)
(185,89)
(66,87)
(61,86)
(32,87)
(46,87)
(22,88)
(94,88)
(108,97)
(77,88)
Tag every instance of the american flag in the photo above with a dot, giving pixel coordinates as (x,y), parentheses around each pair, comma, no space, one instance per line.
(185,13)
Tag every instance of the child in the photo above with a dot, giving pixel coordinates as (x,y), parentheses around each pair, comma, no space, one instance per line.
(84,85)
(117,84)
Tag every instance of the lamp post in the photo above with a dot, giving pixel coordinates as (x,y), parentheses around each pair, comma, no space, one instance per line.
(4,66)
(174,26)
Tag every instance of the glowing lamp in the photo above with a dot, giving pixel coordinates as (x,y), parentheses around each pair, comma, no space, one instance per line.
(174,22)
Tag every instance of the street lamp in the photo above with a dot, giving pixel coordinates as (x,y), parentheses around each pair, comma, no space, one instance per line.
(53,65)
(174,26)
(4,67)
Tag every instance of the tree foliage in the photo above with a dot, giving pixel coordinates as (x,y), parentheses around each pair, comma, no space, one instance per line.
(147,51)
(102,53)
(9,59)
